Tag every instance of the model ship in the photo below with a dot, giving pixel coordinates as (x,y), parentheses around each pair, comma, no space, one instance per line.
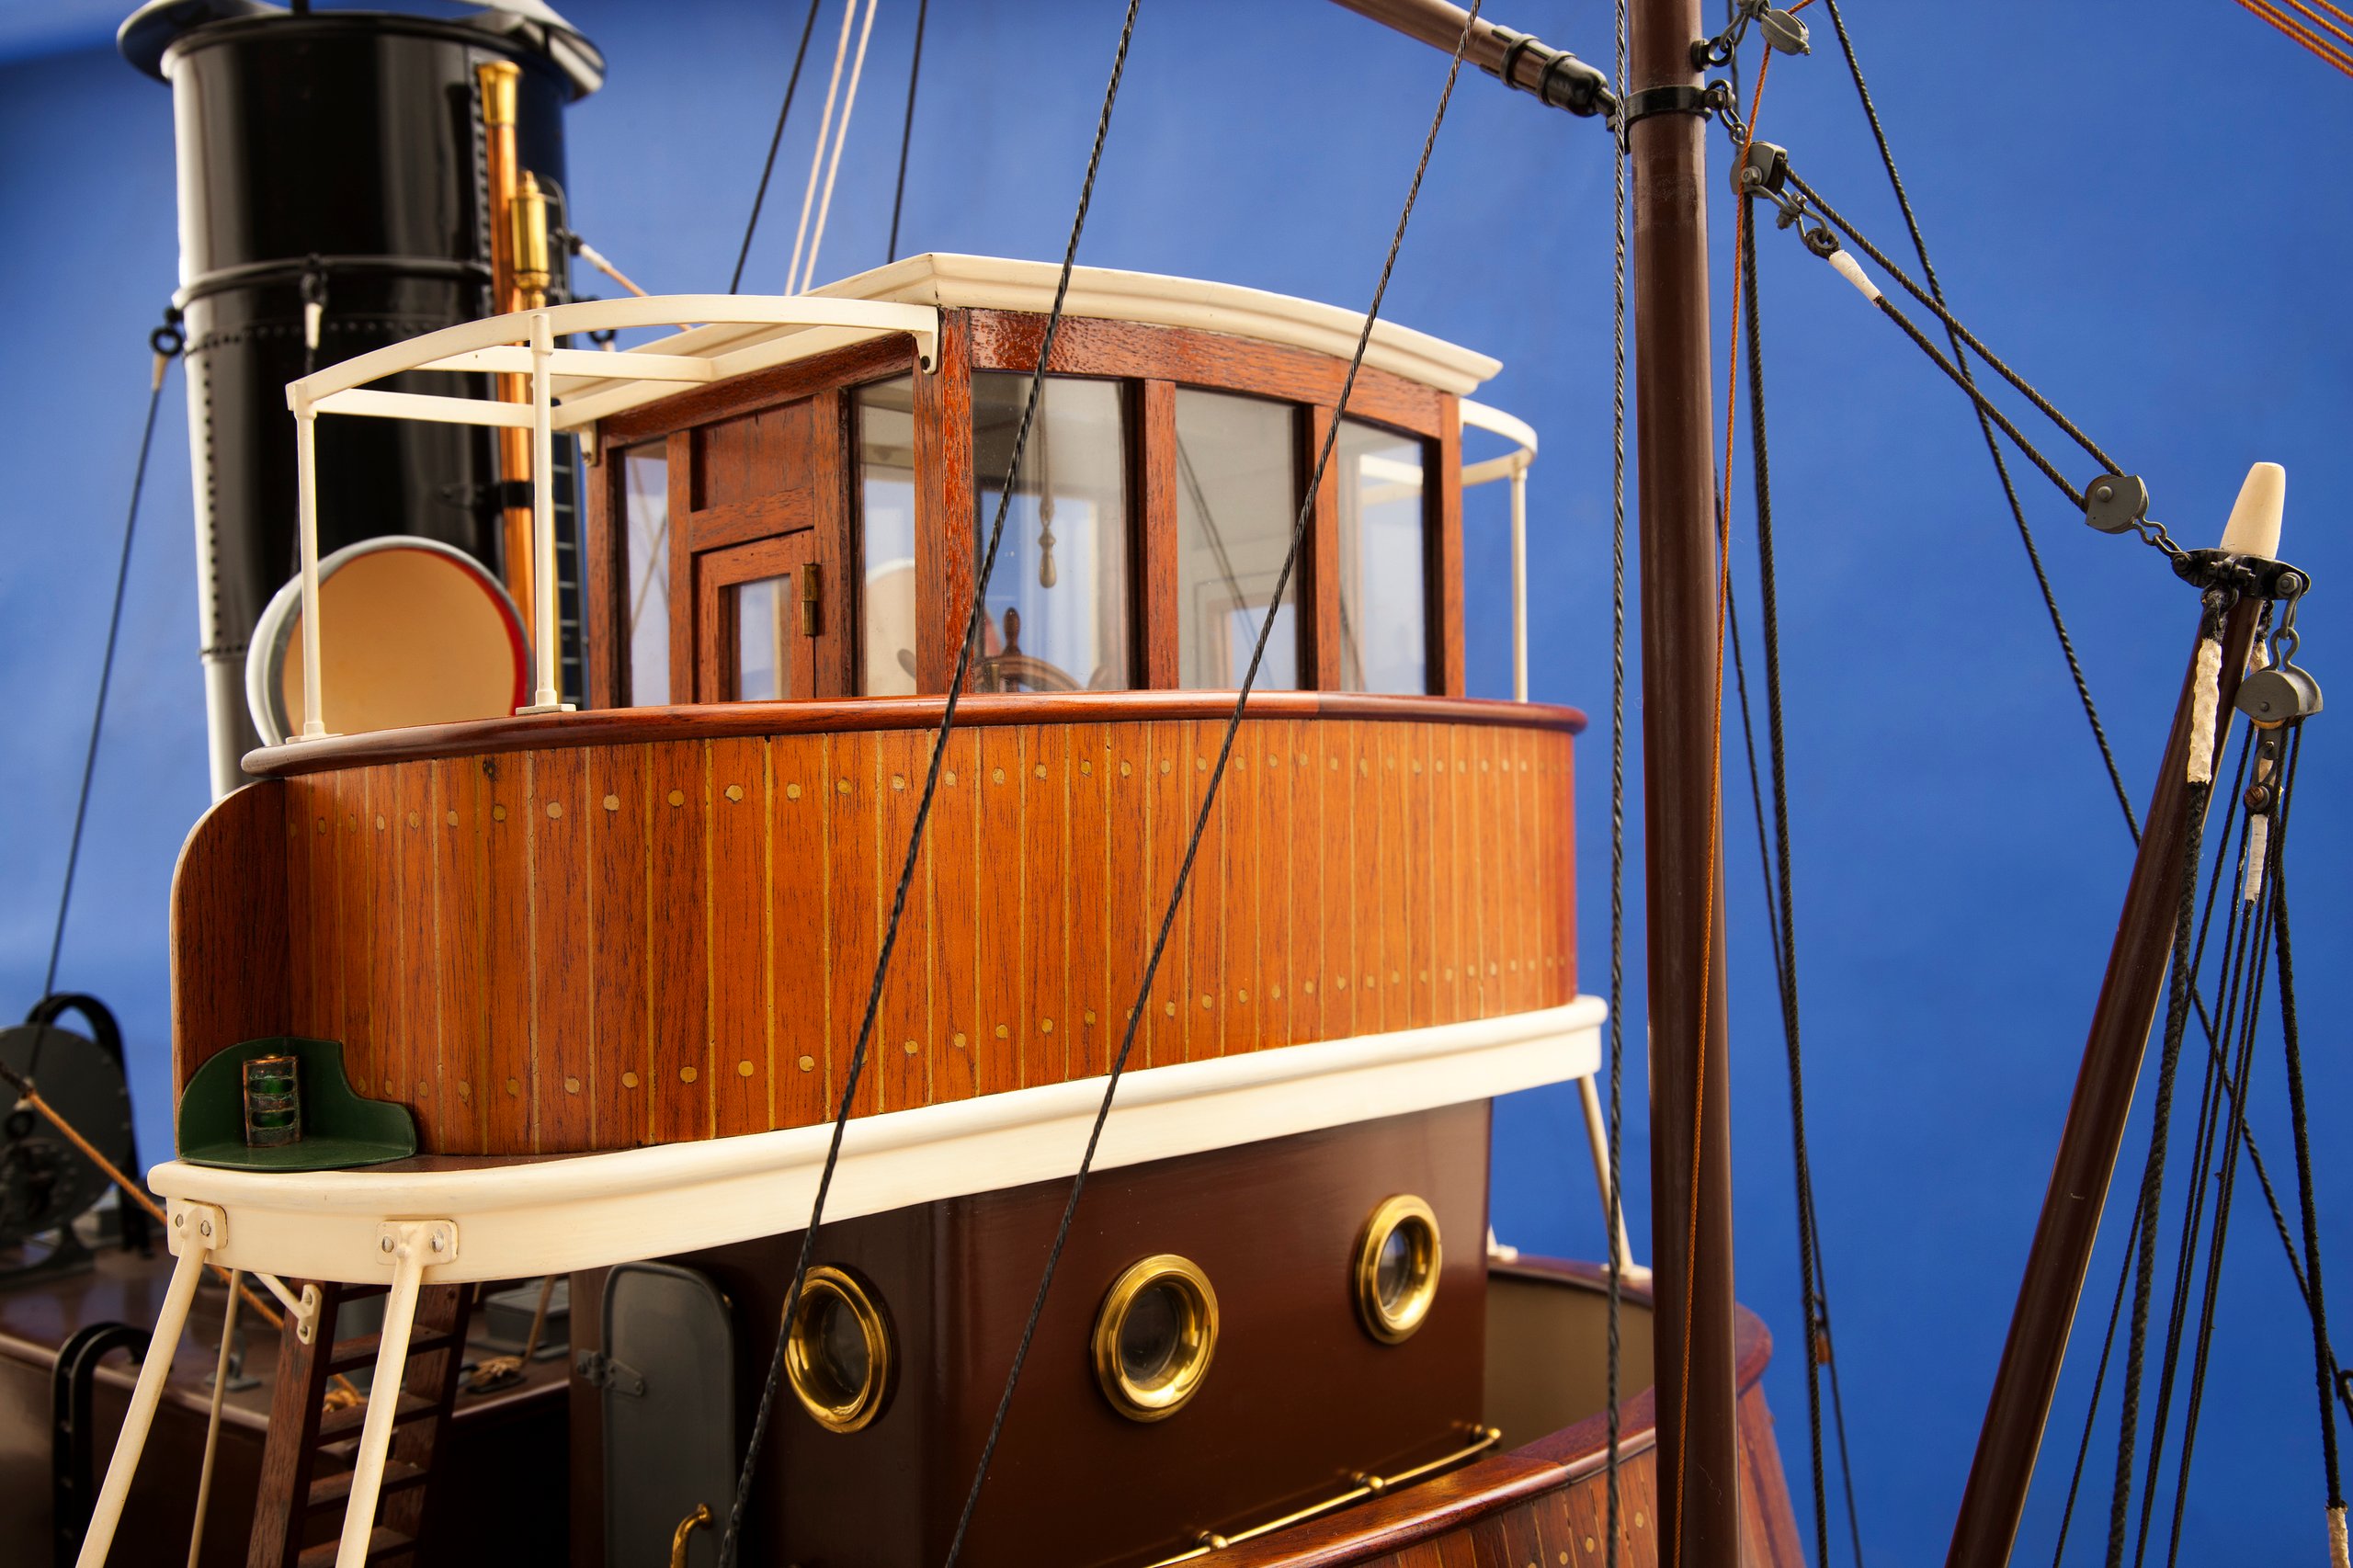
(762,825)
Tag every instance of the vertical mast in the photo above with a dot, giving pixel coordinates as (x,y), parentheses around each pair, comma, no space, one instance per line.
(1690,1110)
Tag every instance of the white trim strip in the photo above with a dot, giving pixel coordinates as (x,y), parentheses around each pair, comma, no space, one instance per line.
(592,1210)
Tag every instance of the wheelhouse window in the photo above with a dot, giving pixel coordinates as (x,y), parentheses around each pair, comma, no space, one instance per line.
(1057,610)
(1236,502)
(1384,561)
(765,623)
(645,501)
(886,501)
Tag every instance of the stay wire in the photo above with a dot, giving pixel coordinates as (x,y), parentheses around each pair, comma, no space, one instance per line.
(2152,1175)
(166,343)
(1615,1137)
(1809,1237)
(907,131)
(731,1541)
(1209,794)
(2241,1012)
(2226,1187)
(2124,1270)
(1933,296)
(2323,1359)
(776,140)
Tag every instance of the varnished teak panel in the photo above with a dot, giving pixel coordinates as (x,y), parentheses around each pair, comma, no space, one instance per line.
(594,946)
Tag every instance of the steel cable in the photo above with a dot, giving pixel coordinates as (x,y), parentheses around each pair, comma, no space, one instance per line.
(731,1541)
(1208,795)
(775,138)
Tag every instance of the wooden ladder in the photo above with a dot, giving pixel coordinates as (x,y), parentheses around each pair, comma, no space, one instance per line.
(302,1431)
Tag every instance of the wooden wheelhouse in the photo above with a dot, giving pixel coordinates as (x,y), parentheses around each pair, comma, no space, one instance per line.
(611,955)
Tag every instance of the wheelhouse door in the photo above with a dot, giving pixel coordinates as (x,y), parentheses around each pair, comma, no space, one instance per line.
(761,513)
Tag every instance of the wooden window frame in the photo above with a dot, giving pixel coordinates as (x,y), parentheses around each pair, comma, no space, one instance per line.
(1150,363)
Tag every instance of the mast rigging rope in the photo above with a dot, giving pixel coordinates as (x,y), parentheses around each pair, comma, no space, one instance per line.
(841,139)
(1217,769)
(907,131)
(730,1539)
(791,85)
(1615,1223)
(166,343)
(817,154)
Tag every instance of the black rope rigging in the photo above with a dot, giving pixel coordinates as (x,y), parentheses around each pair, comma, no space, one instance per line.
(775,138)
(907,131)
(166,341)
(2152,1175)
(1614,1221)
(2323,1359)
(2243,952)
(1785,918)
(731,1541)
(1934,299)
(1216,778)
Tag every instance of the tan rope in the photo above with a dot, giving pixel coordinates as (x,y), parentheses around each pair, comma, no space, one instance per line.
(841,139)
(2300,34)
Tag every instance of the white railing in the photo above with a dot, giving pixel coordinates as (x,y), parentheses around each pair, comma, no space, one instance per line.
(713,346)
(1512,465)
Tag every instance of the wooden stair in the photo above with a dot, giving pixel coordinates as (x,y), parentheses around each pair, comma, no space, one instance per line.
(300,1496)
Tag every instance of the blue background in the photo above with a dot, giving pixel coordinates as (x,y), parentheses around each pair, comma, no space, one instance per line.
(2140,205)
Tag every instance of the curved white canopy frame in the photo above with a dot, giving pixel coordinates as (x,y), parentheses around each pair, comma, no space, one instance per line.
(1513,465)
(570,388)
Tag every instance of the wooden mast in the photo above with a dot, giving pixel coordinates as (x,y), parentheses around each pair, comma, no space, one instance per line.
(1698,1489)
(1698,1492)
(2128,994)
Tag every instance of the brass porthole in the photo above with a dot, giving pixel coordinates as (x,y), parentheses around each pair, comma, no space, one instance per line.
(1396,1267)
(1154,1336)
(840,1354)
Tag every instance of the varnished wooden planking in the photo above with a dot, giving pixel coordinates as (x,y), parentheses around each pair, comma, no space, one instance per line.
(459,854)
(563,953)
(1206,998)
(1048,773)
(650,939)
(903,1034)
(854,910)
(1091,1012)
(735,851)
(679,1090)
(953,873)
(1127,767)
(799,865)
(619,792)
(1168,824)
(413,831)
(999,931)
(229,948)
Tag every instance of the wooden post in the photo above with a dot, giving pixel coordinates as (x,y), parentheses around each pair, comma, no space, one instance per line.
(1699,1497)
(2020,1404)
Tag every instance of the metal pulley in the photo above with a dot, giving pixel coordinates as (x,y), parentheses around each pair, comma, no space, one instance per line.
(2277,696)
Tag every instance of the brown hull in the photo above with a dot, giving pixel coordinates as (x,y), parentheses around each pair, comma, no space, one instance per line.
(1543,1502)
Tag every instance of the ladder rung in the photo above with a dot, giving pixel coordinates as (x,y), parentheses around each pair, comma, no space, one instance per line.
(333,1490)
(350,1354)
(345,1423)
(382,1543)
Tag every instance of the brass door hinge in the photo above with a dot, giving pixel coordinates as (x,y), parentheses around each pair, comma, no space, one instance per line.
(812,581)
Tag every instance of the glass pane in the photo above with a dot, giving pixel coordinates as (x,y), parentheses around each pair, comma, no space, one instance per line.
(886,492)
(1236,502)
(1385,597)
(763,619)
(1058,600)
(645,493)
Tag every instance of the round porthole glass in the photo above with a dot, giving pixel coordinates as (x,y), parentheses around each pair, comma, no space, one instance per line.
(1154,1336)
(839,1357)
(1395,1274)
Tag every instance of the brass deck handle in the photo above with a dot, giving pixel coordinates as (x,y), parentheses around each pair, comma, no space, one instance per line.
(700,1517)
